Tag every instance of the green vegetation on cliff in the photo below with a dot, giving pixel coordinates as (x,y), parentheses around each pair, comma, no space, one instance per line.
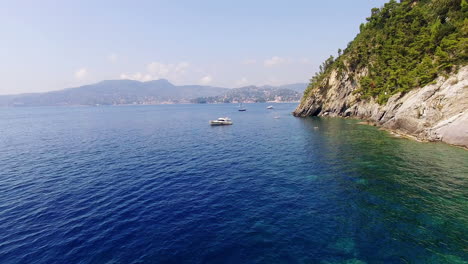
(403,45)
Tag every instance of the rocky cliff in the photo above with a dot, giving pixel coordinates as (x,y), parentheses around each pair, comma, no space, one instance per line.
(435,112)
(406,70)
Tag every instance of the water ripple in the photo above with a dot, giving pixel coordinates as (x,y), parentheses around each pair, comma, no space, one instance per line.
(156,184)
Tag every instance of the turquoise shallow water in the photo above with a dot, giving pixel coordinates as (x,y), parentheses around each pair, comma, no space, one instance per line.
(157,184)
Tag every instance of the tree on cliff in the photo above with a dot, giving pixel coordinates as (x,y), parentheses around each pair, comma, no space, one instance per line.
(404,45)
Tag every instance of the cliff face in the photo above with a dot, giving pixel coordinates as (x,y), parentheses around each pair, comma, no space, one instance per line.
(435,112)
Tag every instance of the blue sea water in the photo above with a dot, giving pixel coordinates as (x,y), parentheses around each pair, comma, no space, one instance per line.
(157,184)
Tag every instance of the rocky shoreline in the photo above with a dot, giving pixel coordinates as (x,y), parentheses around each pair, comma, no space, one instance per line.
(435,112)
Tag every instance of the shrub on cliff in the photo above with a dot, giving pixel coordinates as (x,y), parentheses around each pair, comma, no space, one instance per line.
(404,45)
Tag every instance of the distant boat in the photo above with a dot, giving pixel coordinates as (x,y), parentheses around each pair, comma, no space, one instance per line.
(270,107)
(221,121)
(241,108)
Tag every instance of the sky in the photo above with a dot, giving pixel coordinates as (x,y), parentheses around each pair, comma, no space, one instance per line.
(55,44)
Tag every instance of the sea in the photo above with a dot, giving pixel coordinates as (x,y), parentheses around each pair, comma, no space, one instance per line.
(158,184)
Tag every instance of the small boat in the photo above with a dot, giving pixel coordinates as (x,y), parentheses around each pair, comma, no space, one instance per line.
(241,108)
(221,121)
(270,107)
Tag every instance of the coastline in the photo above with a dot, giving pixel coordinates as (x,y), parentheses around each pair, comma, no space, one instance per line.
(435,112)
(185,103)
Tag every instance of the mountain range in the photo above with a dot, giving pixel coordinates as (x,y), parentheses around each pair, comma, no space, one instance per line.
(122,92)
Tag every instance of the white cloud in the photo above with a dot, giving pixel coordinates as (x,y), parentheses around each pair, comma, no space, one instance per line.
(112,57)
(181,67)
(249,61)
(147,77)
(81,73)
(157,70)
(163,70)
(274,61)
(206,80)
(138,76)
(242,81)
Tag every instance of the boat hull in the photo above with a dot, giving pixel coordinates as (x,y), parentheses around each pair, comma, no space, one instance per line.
(222,121)
(215,123)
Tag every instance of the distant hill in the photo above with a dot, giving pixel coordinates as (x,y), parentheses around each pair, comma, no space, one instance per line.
(119,92)
(251,94)
(115,92)
(298,87)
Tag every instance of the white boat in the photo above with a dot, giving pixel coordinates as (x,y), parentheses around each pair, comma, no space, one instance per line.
(270,107)
(242,108)
(221,121)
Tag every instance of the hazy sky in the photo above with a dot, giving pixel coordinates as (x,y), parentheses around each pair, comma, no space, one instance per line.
(49,45)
